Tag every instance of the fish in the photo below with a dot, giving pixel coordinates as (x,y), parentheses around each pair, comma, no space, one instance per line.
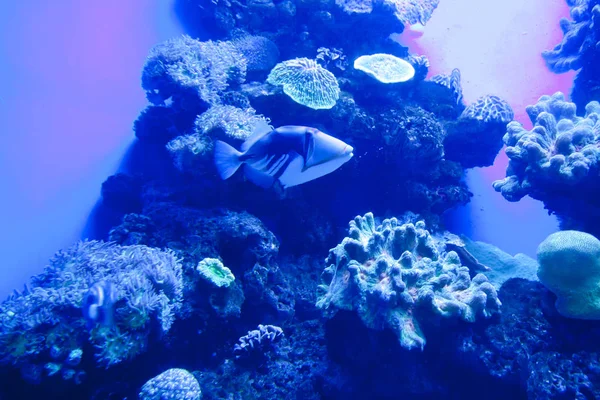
(98,304)
(288,156)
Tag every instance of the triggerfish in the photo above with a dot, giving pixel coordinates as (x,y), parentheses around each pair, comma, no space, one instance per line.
(289,155)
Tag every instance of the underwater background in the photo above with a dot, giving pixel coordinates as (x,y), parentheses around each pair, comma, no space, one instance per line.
(454,256)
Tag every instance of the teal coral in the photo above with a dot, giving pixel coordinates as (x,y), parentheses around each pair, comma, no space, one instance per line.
(306,82)
(393,275)
(386,68)
(560,152)
(45,324)
(215,272)
(569,266)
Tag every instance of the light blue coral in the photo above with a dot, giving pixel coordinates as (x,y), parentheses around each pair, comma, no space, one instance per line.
(173,384)
(306,82)
(559,153)
(393,274)
(386,68)
(489,109)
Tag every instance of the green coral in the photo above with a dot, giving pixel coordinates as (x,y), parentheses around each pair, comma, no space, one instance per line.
(306,82)
(215,272)
(394,275)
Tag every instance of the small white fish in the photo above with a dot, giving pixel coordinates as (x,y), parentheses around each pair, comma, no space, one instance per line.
(98,303)
(290,155)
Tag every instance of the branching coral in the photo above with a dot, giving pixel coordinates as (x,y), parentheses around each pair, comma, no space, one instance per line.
(45,324)
(559,155)
(394,276)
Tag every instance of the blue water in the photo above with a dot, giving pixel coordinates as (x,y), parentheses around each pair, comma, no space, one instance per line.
(297,199)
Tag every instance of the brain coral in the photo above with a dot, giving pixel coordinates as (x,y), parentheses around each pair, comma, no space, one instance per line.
(393,275)
(489,109)
(569,266)
(173,384)
(560,153)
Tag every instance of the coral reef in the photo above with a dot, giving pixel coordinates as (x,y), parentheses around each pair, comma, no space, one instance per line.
(534,349)
(394,277)
(44,325)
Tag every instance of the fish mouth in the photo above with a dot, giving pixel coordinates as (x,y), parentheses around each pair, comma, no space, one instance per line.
(348,151)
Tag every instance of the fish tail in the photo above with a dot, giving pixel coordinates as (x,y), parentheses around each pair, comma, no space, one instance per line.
(227,159)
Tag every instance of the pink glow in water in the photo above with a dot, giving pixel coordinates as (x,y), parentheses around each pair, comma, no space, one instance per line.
(497,46)
(69,93)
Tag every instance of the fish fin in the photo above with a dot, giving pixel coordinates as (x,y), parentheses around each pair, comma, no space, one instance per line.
(109,316)
(309,148)
(227,159)
(260,129)
(258,177)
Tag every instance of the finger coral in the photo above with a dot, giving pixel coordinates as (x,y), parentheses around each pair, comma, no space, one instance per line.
(559,155)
